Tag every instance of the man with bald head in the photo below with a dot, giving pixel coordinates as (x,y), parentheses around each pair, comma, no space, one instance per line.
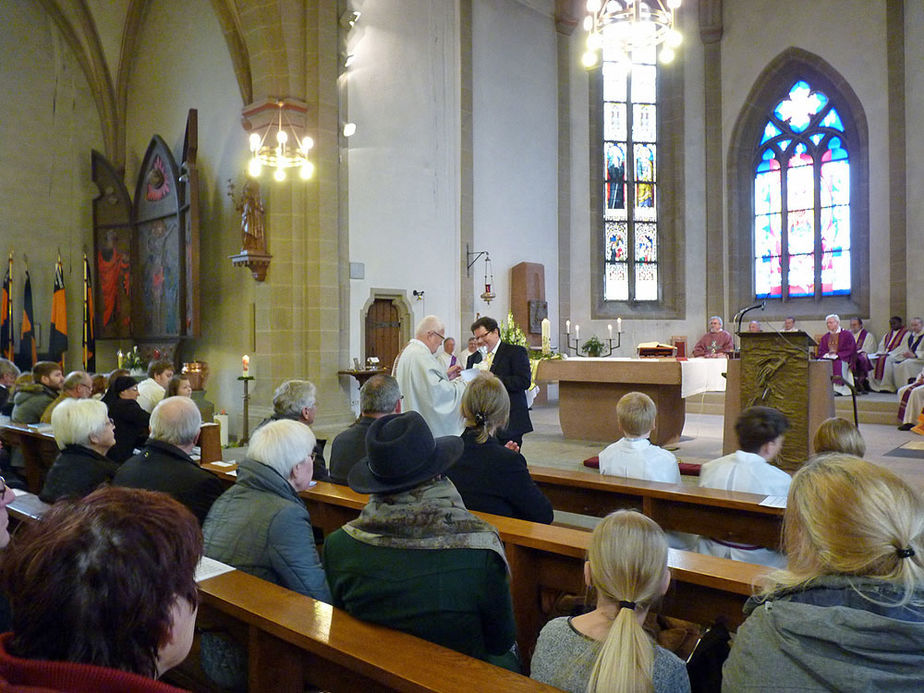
(77,385)
(164,463)
(426,385)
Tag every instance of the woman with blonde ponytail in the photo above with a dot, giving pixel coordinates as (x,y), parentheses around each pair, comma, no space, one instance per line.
(606,650)
(847,613)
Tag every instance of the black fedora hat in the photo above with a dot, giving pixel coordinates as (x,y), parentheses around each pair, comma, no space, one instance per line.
(401,454)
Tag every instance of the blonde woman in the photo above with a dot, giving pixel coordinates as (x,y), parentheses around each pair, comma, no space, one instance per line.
(490,477)
(847,613)
(607,649)
(839,435)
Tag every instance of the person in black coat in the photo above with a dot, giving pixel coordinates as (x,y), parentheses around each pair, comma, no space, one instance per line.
(84,435)
(131,421)
(491,477)
(164,463)
(510,363)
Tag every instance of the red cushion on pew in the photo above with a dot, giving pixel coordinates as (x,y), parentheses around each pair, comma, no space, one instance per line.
(592,462)
(689,468)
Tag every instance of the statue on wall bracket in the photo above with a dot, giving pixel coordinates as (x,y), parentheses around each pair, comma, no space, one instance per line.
(249,204)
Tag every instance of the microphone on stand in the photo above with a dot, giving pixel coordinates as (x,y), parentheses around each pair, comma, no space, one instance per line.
(741,313)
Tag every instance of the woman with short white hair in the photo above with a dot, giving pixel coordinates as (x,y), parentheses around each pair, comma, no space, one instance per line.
(84,434)
(261,526)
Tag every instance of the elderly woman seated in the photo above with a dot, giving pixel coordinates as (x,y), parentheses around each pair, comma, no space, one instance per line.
(84,435)
(103,594)
(490,477)
(416,560)
(131,421)
(261,526)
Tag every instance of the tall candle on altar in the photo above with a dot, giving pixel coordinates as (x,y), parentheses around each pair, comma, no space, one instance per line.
(568,326)
(609,329)
(619,325)
(245,366)
(546,336)
(577,332)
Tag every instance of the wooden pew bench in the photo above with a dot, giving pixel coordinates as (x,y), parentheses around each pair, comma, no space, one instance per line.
(731,516)
(40,450)
(294,640)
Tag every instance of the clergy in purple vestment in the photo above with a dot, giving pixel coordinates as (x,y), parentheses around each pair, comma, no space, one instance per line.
(840,348)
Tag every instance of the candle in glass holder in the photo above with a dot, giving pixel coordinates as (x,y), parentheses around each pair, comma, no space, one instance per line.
(546,336)
(245,366)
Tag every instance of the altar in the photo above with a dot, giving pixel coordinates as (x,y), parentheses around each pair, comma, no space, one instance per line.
(589,388)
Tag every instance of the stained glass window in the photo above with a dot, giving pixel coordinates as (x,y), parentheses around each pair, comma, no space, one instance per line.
(630,177)
(802,199)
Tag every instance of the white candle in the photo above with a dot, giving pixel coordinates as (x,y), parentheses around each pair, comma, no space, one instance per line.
(577,332)
(567,327)
(245,366)
(546,336)
(609,328)
(619,325)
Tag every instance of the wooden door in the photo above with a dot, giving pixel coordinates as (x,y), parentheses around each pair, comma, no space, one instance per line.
(383,332)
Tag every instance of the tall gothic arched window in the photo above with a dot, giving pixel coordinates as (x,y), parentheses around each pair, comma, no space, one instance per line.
(802,199)
(630,178)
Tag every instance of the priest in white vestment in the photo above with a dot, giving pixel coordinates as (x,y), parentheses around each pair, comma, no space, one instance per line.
(866,345)
(425,383)
(882,379)
(911,403)
(911,355)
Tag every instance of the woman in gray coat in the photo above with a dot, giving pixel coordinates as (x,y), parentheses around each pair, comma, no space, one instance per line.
(261,526)
(847,613)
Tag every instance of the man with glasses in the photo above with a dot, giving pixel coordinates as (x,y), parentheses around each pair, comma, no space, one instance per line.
(77,385)
(426,385)
(510,363)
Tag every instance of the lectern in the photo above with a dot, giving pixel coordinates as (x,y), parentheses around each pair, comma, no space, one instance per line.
(777,369)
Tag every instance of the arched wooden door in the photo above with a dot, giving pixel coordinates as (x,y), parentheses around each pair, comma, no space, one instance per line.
(383,332)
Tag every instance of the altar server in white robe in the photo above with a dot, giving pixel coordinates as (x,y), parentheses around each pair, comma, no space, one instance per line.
(425,383)
(760,438)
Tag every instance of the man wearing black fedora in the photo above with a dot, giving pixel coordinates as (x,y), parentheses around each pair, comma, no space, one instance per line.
(415,559)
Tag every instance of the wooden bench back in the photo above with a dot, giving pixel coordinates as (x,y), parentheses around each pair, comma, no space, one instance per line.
(731,516)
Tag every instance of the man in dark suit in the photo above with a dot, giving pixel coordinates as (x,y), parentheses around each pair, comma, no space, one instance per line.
(164,463)
(510,363)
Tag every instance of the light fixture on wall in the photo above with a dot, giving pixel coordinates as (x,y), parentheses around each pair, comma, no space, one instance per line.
(488,294)
(629,25)
(277,138)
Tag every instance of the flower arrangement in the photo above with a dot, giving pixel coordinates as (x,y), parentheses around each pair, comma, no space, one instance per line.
(131,360)
(511,333)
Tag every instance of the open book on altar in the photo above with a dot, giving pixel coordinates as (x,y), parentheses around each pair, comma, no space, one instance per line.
(655,349)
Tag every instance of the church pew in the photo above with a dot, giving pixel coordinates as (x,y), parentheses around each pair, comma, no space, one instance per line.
(293,639)
(731,516)
(39,449)
(546,559)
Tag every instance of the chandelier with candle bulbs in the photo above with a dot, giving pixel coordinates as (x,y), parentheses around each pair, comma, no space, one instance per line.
(629,25)
(276,142)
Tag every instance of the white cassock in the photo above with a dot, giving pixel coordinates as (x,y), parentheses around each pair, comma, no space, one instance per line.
(751,473)
(444,358)
(150,392)
(428,390)
(908,368)
(888,357)
(637,458)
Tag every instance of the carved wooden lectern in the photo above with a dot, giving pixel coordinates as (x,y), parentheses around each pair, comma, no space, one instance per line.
(777,369)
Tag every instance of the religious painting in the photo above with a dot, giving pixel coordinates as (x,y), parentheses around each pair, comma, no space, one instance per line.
(147,253)
(112,231)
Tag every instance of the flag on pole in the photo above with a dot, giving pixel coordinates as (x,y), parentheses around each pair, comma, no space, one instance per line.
(27,357)
(89,336)
(6,319)
(57,340)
